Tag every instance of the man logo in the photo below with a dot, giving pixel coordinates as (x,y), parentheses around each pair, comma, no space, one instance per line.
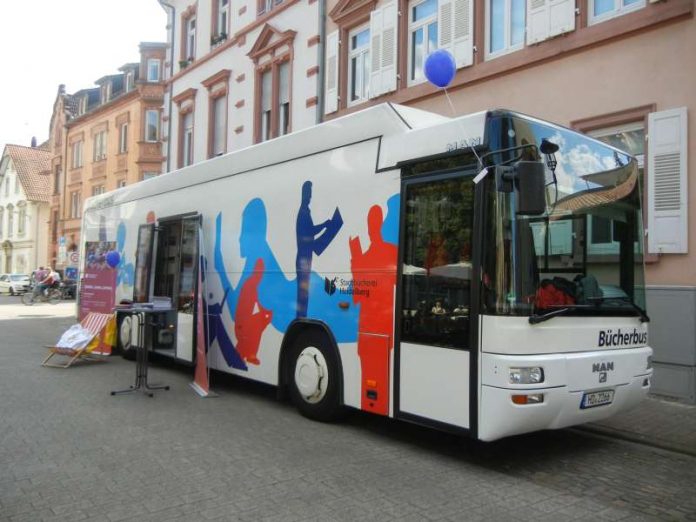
(330,285)
(603,377)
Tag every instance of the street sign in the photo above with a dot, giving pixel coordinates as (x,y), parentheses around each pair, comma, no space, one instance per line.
(74,257)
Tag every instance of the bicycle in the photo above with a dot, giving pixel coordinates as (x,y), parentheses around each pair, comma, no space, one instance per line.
(50,295)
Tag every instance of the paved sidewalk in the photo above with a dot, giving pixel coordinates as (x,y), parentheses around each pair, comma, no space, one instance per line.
(16,310)
(657,421)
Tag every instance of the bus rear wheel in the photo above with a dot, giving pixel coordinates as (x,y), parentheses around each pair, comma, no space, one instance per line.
(313,377)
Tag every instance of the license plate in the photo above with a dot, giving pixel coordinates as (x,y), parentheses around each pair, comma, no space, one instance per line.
(600,398)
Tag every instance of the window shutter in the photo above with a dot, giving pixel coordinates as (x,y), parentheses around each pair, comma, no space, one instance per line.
(548,18)
(667,185)
(331,102)
(383,52)
(455,23)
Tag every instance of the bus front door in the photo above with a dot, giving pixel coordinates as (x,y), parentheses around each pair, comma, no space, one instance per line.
(432,357)
(176,274)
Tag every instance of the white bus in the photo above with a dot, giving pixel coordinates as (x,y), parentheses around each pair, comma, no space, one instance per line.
(481,274)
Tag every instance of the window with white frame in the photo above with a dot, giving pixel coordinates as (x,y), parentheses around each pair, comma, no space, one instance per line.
(82,106)
(358,65)
(10,220)
(16,185)
(77,154)
(22,220)
(284,99)
(266,104)
(123,138)
(601,10)
(190,38)
(7,186)
(75,204)
(223,7)
(2,221)
(99,146)
(630,138)
(153,70)
(151,125)
(218,126)
(99,189)
(187,140)
(130,81)
(505,26)
(422,30)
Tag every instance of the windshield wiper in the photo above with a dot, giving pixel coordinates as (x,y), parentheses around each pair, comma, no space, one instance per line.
(540,318)
(627,300)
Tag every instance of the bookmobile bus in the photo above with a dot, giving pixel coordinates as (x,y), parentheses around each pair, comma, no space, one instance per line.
(480,274)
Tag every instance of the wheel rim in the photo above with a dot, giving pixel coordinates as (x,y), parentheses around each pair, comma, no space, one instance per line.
(311,375)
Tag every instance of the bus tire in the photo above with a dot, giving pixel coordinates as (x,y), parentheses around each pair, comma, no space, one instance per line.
(314,376)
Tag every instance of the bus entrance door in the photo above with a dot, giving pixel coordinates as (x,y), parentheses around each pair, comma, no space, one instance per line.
(176,274)
(433,357)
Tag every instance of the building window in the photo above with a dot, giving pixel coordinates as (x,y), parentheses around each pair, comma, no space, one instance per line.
(75,204)
(266,6)
(151,125)
(150,175)
(284,99)
(123,138)
(2,220)
(77,154)
(99,189)
(99,147)
(153,70)
(16,185)
(7,186)
(22,221)
(106,92)
(130,81)
(187,139)
(601,10)
(10,220)
(274,119)
(505,26)
(358,65)
(190,39)
(221,17)
(218,126)
(266,104)
(82,106)
(422,30)
(121,183)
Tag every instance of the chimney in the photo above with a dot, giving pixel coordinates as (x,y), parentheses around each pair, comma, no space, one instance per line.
(33,142)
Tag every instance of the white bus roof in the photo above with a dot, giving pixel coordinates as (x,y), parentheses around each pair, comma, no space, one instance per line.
(406,134)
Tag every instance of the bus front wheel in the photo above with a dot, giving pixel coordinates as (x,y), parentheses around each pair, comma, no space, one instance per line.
(314,378)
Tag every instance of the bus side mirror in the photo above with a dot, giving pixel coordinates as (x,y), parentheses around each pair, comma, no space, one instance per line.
(531,188)
(528,180)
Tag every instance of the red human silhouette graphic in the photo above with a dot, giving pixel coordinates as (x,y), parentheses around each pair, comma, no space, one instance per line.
(374,279)
(248,326)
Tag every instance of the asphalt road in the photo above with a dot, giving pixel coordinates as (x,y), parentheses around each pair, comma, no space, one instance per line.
(71,451)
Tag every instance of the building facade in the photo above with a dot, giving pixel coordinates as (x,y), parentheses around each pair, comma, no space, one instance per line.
(238,74)
(101,139)
(24,201)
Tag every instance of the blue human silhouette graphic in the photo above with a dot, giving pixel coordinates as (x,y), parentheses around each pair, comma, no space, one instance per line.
(125,271)
(311,240)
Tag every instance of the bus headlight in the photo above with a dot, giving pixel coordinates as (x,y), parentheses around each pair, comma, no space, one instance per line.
(527,375)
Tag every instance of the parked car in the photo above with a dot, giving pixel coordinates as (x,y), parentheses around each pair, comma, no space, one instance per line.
(14,284)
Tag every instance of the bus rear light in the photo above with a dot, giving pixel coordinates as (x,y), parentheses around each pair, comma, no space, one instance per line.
(527,375)
(533,398)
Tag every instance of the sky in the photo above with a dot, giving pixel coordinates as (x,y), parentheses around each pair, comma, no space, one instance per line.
(73,42)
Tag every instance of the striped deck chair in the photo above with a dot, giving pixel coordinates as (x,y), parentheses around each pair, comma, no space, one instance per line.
(93,336)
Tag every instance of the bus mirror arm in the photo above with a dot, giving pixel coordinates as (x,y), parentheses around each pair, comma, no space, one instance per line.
(528,180)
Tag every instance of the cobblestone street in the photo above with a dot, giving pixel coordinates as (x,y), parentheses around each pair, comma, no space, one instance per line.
(70,451)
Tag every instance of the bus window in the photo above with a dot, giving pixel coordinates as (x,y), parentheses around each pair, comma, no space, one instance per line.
(436,265)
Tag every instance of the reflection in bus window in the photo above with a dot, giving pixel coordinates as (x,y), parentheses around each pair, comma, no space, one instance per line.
(436,267)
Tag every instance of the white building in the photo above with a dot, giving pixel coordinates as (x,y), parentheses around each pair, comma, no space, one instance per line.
(24,208)
(238,73)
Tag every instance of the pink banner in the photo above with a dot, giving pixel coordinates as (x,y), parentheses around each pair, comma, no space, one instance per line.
(98,285)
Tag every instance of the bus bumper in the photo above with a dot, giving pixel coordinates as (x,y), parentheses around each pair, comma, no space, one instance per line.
(568,378)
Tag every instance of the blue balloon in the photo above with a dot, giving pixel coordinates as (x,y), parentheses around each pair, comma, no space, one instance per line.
(440,67)
(112,258)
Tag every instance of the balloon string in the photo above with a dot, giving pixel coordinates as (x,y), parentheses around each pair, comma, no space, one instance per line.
(454,115)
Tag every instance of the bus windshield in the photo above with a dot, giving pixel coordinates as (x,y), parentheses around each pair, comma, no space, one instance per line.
(584,255)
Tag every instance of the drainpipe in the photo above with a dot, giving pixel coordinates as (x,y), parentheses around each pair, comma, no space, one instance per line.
(172,31)
(320,57)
